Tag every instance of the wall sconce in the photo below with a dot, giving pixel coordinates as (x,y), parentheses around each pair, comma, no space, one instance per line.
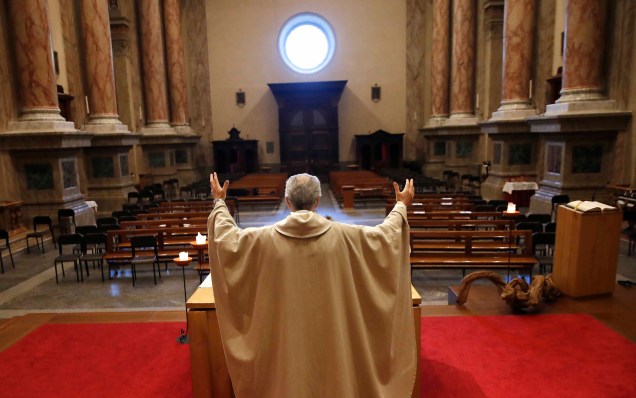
(240,98)
(376,93)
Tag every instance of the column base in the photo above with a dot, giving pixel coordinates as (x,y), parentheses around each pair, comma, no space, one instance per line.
(581,106)
(114,126)
(437,121)
(183,129)
(516,111)
(157,129)
(462,119)
(41,114)
(41,126)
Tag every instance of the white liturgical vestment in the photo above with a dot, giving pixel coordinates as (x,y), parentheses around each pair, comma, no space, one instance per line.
(308,307)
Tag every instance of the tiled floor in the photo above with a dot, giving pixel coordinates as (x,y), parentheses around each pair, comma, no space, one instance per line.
(31,287)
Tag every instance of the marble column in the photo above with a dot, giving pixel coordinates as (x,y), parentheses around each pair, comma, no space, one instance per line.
(34,60)
(584,50)
(179,118)
(519,22)
(463,59)
(440,59)
(153,65)
(100,76)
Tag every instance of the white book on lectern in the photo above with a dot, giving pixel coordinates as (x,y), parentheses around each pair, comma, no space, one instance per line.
(585,206)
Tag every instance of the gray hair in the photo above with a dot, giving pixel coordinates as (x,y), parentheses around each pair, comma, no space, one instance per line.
(302,191)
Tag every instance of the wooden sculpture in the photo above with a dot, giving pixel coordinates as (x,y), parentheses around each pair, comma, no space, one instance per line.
(517,293)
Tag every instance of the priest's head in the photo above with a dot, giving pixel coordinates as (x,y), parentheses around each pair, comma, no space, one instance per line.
(302,192)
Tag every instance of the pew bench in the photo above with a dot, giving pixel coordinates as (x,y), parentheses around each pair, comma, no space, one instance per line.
(466,224)
(170,241)
(497,249)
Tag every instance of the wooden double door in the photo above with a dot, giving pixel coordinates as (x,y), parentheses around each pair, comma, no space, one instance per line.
(309,140)
(308,126)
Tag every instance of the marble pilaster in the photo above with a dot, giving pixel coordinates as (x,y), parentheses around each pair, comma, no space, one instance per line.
(179,117)
(519,24)
(100,77)
(98,60)
(583,81)
(584,49)
(463,59)
(154,67)
(34,60)
(440,59)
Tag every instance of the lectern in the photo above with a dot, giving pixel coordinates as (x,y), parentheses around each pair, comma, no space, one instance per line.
(586,251)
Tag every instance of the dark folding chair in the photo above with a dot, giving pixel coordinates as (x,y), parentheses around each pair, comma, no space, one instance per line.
(70,256)
(106,221)
(4,235)
(109,227)
(66,219)
(120,213)
(38,235)
(93,250)
(498,202)
(144,251)
(558,200)
(529,226)
(539,217)
(131,207)
(86,229)
(543,249)
(134,197)
(549,227)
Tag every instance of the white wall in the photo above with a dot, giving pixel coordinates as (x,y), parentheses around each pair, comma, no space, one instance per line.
(243,54)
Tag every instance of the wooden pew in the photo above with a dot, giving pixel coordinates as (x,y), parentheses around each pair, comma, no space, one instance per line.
(167,210)
(453,215)
(172,216)
(260,188)
(454,225)
(161,223)
(170,241)
(429,207)
(349,186)
(498,249)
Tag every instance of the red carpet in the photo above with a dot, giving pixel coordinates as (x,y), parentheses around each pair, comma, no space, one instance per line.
(98,360)
(525,356)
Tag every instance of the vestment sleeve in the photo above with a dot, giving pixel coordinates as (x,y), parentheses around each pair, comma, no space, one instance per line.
(221,226)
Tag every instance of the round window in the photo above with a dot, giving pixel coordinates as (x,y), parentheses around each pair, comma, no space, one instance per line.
(306,43)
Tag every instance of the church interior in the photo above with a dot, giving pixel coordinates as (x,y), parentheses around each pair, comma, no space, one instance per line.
(113,114)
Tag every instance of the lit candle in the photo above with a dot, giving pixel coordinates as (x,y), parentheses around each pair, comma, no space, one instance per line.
(511,208)
(200,239)
(183,256)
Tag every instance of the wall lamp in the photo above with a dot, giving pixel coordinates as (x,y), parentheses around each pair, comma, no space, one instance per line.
(376,93)
(240,98)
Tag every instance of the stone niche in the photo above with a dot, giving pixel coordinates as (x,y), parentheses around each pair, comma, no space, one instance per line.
(49,182)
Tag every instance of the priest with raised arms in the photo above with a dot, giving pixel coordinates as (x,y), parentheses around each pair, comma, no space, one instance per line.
(309,307)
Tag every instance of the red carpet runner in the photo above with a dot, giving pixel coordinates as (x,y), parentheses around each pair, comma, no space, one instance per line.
(97,360)
(472,357)
(525,356)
